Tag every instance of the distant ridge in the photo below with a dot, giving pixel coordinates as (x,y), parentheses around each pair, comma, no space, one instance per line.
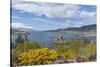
(85,28)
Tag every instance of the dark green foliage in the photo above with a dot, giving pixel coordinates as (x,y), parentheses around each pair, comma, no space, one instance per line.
(35,44)
(22,47)
(61,48)
(19,39)
(26,37)
(71,43)
(86,41)
(74,42)
(12,45)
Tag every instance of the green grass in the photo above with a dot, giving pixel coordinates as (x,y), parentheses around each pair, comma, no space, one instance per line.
(24,51)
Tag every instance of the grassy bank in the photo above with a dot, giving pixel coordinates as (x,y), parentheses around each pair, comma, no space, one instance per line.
(27,52)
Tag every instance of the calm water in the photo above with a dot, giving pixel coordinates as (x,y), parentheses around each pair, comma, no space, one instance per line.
(46,39)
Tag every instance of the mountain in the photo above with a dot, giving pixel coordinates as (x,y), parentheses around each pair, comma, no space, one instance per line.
(86,28)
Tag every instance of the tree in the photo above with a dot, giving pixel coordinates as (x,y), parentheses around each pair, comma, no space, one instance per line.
(19,39)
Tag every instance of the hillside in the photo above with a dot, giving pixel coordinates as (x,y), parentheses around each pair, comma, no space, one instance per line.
(87,28)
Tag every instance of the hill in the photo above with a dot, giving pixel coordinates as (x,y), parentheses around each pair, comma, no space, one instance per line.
(86,28)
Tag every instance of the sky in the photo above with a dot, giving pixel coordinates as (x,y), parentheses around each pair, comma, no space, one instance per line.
(42,16)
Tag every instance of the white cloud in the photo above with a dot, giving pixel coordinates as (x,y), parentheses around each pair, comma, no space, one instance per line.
(47,9)
(87,14)
(15,1)
(70,23)
(20,25)
(88,17)
(52,10)
(16,17)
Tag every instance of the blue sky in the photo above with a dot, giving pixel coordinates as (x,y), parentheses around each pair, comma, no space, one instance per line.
(43,16)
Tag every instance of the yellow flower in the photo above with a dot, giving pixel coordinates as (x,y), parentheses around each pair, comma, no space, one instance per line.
(38,56)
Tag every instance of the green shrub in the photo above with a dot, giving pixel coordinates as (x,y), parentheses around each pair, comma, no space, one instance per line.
(61,48)
(19,39)
(90,49)
(74,41)
(22,47)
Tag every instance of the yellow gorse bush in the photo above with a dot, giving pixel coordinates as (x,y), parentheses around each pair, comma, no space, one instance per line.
(38,56)
(70,53)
